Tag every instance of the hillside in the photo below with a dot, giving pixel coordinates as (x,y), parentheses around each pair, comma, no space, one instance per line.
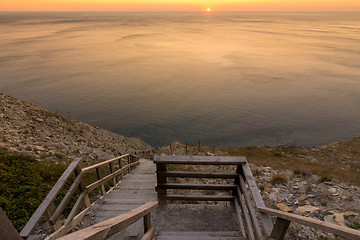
(28,129)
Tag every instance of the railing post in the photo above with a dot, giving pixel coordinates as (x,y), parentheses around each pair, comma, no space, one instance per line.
(280,228)
(111,171)
(102,187)
(129,161)
(147,222)
(160,167)
(82,186)
(7,230)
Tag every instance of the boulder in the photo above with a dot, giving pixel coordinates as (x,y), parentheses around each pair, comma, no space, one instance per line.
(307,208)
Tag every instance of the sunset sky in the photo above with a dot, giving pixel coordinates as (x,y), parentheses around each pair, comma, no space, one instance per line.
(179,5)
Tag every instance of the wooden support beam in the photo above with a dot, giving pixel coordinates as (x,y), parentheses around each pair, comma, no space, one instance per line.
(147,222)
(250,208)
(102,187)
(55,216)
(249,229)
(111,171)
(280,228)
(7,230)
(161,180)
(239,218)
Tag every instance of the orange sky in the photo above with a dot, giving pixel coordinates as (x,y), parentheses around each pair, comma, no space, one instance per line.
(179,5)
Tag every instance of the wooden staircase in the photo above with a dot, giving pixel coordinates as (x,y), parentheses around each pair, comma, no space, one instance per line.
(200,236)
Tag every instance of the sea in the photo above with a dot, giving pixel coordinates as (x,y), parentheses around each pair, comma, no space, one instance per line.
(221,78)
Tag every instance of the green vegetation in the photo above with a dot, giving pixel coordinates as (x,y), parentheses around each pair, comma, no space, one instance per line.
(24,183)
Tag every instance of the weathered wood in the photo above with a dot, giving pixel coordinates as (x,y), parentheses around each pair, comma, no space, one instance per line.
(102,187)
(147,222)
(108,177)
(198,197)
(314,223)
(67,228)
(7,230)
(280,228)
(259,202)
(161,180)
(111,171)
(250,208)
(104,163)
(112,226)
(75,208)
(249,229)
(199,160)
(196,186)
(40,211)
(149,235)
(55,216)
(49,212)
(181,174)
(239,219)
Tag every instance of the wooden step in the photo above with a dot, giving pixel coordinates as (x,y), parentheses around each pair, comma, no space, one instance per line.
(200,235)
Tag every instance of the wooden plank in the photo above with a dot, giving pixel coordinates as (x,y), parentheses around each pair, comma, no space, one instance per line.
(147,222)
(149,235)
(250,208)
(197,186)
(75,208)
(181,174)
(67,228)
(199,160)
(198,197)
(259,202)
(161,180)
(247,219)
(112,226)
(7,230)
(104,163)
(25,232)
(55,216)
(239,218)
(314,223)
(102,186)
(280,228)
(108,177)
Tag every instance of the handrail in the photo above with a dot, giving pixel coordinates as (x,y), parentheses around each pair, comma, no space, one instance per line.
(49,199)
(114,225)
(53,213)
(314,223)
(163,174)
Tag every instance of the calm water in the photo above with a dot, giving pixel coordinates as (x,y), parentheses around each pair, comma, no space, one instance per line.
(224,78)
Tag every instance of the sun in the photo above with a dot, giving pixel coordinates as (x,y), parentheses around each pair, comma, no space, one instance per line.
(208,9)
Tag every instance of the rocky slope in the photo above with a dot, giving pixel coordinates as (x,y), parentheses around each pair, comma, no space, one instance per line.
(28,129)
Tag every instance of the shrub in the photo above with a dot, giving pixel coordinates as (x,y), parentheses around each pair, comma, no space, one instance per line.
(24,183)
(278,178)
(324,179)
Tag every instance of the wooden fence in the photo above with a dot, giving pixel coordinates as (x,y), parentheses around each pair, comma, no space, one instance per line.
(117,168)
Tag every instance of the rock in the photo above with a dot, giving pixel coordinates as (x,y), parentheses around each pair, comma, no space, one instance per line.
(283,207)
(351,217)
(332,190)
(267,187)
(307,208)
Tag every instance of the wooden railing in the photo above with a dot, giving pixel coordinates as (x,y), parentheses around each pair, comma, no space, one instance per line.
(163,174)
(118,167)
(108,228)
